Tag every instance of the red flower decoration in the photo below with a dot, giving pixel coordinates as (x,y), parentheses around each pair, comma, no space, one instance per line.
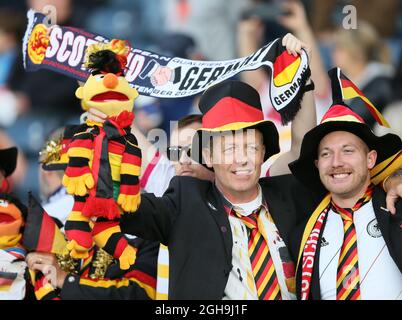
(123,119)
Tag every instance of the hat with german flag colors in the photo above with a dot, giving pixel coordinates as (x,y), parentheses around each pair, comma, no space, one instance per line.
(340,117)
(53,155)
(344,89)
(233,106)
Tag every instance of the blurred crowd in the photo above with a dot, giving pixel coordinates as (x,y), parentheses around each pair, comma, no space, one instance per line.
(34,104)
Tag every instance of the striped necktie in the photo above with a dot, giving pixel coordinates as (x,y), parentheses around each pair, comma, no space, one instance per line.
(348,278)
(265,278)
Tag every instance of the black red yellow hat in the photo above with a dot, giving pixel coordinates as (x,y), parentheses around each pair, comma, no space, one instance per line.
(232,106)
(339,118)
(54,156)
(8,160)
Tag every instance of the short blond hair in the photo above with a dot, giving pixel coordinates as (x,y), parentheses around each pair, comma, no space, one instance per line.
(364,41)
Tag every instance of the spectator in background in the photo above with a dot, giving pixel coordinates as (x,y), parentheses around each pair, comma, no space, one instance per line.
(46,98)
(267,12)
(295,20)
(52,163)
(138,21)
(364,58)
(210,22)
(397,81)
(393,112)
(252,32)
(383,15)
(15,178)
(157,171)
(59,102)
(360,53)
(148,114)
(11,31)
(182,46)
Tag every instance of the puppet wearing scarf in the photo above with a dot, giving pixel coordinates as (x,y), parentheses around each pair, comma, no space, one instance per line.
(12,254)
(104,159)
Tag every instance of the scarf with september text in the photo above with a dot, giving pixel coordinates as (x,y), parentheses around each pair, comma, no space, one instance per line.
(62,49)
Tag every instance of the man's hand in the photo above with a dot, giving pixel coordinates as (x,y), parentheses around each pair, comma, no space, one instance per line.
(294,46)
(393,187)
(48,265)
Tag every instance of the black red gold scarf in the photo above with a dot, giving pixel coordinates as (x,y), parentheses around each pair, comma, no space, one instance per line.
(310,247)
(100,201)
(62,49)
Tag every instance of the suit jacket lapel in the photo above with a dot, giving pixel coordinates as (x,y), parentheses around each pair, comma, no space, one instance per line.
(215,206)
(278,208)
(382,216)
(386,223)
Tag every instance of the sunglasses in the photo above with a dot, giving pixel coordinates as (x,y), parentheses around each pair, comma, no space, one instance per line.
(174,153)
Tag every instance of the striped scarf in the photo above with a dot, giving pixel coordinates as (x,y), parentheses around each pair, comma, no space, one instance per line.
(262,264)
(348,278)
(310,248)
(100,200)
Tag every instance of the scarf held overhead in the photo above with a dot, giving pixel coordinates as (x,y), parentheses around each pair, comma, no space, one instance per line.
(62,49)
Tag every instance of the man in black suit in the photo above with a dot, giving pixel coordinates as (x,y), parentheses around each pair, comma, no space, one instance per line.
(350,248)
(226,239)
(201,221)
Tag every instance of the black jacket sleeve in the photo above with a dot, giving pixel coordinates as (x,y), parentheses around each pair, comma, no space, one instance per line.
(138,283)
(155,217)
(396,235)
